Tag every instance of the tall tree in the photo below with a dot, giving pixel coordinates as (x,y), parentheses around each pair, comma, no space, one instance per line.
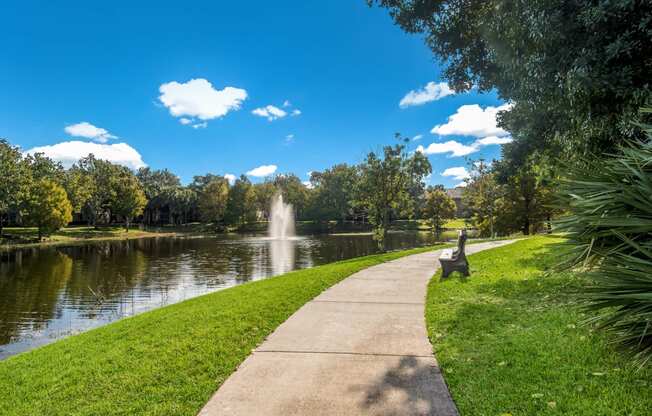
(47,207)
(385,184)
(483,195)
(438,208)
(240,207)
(294,192)
(12,179)
(212,199)
(129,198)
(334,192)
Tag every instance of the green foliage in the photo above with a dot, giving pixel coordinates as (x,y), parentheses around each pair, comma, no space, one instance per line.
(212,199)
(514,325)
(129,199)
(385,185)
(438,208)
(47,207)
(240,207)
(334,192)
(610,224)
(12,179)
(575,71)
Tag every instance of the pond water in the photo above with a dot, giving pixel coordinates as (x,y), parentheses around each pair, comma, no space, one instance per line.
(51,293)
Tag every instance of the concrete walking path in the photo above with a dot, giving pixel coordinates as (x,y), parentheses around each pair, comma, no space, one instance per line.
(359,348)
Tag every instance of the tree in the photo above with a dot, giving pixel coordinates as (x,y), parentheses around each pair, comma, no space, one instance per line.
(483,196)
(129,198)
(264,192)
(240,207)
(212,199)
(47,207)
(333,192)
(12,179)
(576,72)
(294,192)
(79,187)
(100,176)
(384,187)
(438,208)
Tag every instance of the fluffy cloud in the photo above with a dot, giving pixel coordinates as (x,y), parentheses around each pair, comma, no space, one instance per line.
(456,148)
(197,98)
(230,177)
(262,171)
(70,152)
(89,131)
(417,137)
(472,120)
(458,173)
(431,92)
(270,112)
(451,146)
(494,140)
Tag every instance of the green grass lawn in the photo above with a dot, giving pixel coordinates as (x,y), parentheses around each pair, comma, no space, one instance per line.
(165,362)
(511,340)
(456,223)
(29,235)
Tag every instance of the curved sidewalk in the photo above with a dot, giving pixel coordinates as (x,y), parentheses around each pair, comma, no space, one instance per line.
(359,348)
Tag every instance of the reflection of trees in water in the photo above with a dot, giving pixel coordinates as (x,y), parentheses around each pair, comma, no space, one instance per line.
(30,285)
(102,275)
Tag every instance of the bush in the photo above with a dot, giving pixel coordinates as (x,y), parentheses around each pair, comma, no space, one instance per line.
(610,224)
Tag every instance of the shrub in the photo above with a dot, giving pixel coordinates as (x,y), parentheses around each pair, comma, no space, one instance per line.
(610,225)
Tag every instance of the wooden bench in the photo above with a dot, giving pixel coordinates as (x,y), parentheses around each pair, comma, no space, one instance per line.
(455,259)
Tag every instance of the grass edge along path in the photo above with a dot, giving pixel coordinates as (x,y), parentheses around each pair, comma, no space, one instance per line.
(168,361)
(511,340)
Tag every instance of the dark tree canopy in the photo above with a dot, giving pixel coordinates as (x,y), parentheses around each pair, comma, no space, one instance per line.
(576,71)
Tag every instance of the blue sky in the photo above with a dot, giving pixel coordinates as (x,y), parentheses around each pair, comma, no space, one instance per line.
(126,67)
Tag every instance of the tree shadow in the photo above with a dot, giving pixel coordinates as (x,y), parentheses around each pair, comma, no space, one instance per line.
(413,387)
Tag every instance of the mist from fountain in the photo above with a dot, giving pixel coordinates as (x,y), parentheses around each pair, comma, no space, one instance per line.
(281,219)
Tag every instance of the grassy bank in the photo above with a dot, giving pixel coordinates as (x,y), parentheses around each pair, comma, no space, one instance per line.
(511,341)
(28,236)
(164,362)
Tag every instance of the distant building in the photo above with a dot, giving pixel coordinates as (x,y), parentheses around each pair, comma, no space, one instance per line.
(456,195)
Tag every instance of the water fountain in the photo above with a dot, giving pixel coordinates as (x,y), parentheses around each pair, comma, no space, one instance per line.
(281,219)
(281,234)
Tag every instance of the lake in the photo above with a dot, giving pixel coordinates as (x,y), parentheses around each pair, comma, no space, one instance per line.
(51,293)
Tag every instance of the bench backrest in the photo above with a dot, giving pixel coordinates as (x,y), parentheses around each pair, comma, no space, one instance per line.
(461,241)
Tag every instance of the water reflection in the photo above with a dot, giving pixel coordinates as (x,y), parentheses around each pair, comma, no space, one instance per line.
(49,293)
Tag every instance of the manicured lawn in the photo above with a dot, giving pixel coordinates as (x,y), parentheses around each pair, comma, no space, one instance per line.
(456,223)
(28,236)
(164,362)
(511,340)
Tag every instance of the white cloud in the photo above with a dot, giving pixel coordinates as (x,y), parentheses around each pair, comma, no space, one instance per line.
(230,177)
(287,103)
(309,173)
(198,98)
(296,112)
(417,137)
(270,112)
(307,184)
(202,125)
(494,140)
(89,131)
(451,146)
(262,171)
(460,185)
(185,121)
(70,152)
(431,92)
(472,120)
(458,173)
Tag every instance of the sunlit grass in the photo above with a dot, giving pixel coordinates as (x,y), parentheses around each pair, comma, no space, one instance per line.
(168,361)
(510,340)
